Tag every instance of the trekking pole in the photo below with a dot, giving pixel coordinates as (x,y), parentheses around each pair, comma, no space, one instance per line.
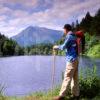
(53,70)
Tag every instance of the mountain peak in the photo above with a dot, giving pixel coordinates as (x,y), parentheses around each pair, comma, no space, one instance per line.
(35,35)
(29,27)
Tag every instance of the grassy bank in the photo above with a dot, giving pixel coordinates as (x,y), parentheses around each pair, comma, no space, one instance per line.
(94,51)
(92,46)
(89,89)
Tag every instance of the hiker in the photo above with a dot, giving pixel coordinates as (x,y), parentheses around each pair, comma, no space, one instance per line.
(71,72)
(81,41)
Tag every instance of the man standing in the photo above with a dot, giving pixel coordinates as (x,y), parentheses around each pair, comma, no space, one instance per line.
(71,72)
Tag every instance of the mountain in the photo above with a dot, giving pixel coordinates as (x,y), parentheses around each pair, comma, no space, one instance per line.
(35,35)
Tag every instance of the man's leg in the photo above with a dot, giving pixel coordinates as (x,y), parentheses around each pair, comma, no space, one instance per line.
(74,82)
(69,72)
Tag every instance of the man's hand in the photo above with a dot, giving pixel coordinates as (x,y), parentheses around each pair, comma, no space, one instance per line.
(55,47)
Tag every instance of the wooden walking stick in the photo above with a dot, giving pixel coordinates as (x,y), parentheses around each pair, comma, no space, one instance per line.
(53,70)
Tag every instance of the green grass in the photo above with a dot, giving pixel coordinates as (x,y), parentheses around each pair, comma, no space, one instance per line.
(92,46)
(47,96)
(94,51)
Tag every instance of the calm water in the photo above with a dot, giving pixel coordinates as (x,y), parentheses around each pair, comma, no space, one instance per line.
(27,74)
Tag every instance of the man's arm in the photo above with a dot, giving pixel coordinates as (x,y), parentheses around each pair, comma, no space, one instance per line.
(63,46)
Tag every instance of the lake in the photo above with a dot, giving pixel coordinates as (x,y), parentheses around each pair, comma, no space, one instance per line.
(23,75)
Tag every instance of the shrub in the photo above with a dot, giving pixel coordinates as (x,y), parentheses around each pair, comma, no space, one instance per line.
(94,51)
(89,83)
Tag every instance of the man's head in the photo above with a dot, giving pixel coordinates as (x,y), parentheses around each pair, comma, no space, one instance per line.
(67,28)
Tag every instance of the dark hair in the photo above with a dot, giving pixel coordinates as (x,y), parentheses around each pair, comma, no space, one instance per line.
(68,27)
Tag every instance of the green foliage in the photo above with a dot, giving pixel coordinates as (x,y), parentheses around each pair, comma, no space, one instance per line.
(94,51)
(90,24)
(95,24)
(40,49)
(61,53)
(87,37)
(92,45)
(8,47)
(18,50)
(89,83)
(59,42)
(93,41)
(86,22)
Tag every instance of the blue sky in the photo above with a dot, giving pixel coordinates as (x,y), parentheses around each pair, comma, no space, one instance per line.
(15,15)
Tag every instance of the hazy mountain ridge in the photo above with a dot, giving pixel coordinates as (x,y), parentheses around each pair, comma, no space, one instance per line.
(35,35)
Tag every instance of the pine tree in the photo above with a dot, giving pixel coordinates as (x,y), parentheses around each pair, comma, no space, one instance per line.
(86,22)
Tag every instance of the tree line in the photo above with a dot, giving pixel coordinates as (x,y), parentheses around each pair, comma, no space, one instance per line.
(9,47)
(89,24)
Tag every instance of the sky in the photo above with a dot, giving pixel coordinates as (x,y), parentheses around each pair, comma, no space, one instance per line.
(16,15)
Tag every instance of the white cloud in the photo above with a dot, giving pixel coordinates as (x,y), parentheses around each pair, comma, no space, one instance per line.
(2,18)
(20,14)
(61,12)
(23,2)
(4,10)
